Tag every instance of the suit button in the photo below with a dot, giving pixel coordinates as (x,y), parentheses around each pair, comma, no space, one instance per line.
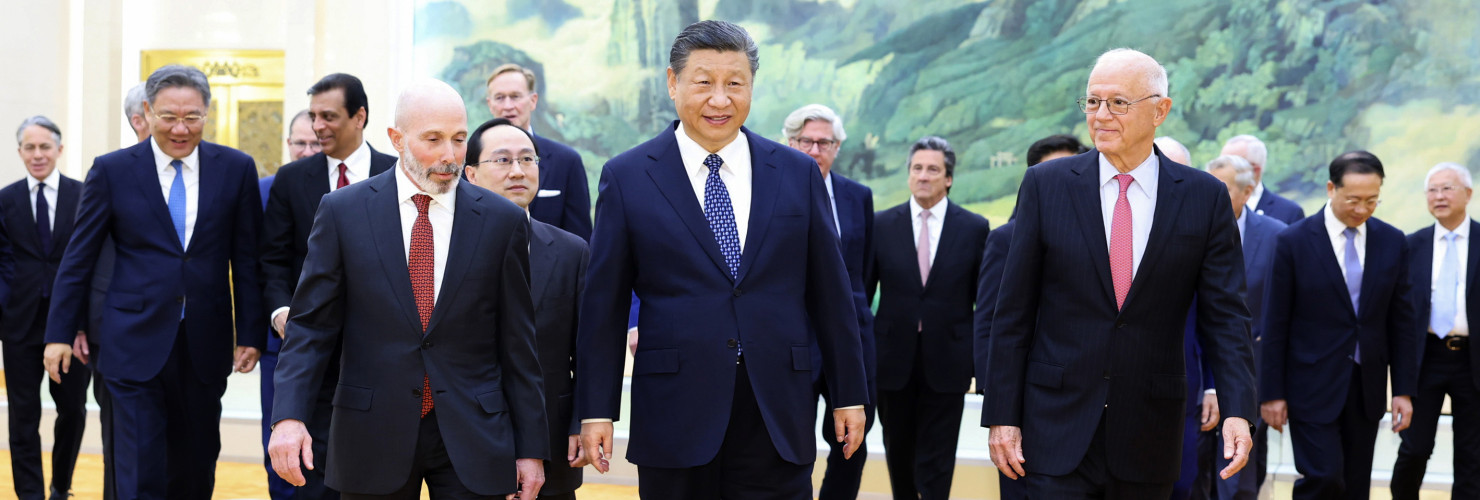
(737,292)
(416,392)
(732,343)
(426,345)
(180,300)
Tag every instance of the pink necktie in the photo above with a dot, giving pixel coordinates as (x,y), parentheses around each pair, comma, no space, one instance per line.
(1122,243)
(922,248)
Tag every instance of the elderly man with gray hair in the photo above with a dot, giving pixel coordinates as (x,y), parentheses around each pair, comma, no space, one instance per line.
(818,131)
(1264,202)
(1087,389)
(133,110)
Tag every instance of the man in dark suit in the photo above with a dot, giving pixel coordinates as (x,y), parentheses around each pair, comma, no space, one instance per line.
(1337,317)
(989,280)
(503,158)
(1087,381)
(924,322)
(565,199)
(345,159)
(423,282)
(1263,201)
(184,216)
(1257,233)
(817,130)
(36,216)
(728,240)
(1442,263)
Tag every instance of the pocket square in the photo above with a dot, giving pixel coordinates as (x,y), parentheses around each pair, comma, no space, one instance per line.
(546,193)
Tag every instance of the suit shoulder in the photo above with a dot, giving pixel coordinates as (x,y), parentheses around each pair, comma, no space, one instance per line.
(17,186)
(548,146)
(1381,229)
(563,240)
(976,220)
(842,182)
(226,153)
(893,211)
(1421,235)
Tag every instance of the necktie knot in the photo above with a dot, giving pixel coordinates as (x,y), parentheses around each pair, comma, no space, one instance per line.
(1452,237)
(178,165)
(713,161)
(422,201)
(343,179)
(924,215)
(1125,182)
(1351,233)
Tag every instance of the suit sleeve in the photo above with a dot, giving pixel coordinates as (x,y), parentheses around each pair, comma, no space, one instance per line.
(7,259)
(1014,322)
(1222,318)
(1405,332)
(1279,294)
(277,248)
(523,383)
(602,339)
(575,421)
(864,303)
(69,297)
(988,281)
(577,210)
(829,304)
(251,320)
(316,324)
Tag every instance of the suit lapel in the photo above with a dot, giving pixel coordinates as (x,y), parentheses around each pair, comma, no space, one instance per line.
(898,221)
(211,178)
(25,235)
(541,261)
(765,181)
(379,162)
(461,247)
(1085,194)
(671,177)
(1322,242)
(1375,253)
(383,208)
(842,198)
(67,194)
(1421,270)
(1169,191)
(1474,257)
(147,176)
(946,248)
(317,184)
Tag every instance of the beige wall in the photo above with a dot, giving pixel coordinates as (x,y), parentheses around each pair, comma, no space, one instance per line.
(34,77)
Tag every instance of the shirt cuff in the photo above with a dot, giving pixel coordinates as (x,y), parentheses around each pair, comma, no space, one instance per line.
(273,316)
(585,421)
(630,330)
(854,407)
(1211,391)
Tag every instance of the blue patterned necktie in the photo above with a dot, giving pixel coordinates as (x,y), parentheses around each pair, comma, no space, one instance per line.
(177,201)
(721,215)
(1442,317)
(1354,280)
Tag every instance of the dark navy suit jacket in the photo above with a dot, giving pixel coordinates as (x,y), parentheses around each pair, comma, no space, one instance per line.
(1311,331)
(214,280)
(1421,272)
(557,268)
(30,265)
(562,170)
(1279,207)
(988,284)
(1062,356)
(855,204)
(651,237)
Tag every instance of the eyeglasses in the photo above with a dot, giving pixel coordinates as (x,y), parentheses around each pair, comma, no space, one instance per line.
(171,119)
(1445,190)
(499,98)
(805,144)
(306,144)
(1118,105)
(505,163)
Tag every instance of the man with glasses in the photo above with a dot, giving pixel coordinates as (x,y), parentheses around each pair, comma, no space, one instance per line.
(565,199)
(1442,264)
(1087,390)
(185,217)
(817,130)
(1337,318)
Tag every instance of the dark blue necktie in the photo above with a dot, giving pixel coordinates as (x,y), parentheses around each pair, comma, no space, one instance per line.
(43,230)
(721,215)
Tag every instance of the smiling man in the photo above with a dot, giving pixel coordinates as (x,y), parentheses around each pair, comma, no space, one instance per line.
(728,240)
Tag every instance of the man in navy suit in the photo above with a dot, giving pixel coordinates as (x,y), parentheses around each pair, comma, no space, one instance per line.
(1337,317)
(422,281)
(36,216)
(728,240)
(1442,264)
(818,131)
(338,113)
(924,321)
(503,158)
(1263,201)
(565,199)
(184,216)
(1087,382)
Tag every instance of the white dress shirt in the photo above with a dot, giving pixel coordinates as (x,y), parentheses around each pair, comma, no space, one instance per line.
(937,220)
(1142,197)
(50,192)
(736,173)
(356,166)
(439,213)
(1462,248)
(191,178)
(1335,228)
(1258,195)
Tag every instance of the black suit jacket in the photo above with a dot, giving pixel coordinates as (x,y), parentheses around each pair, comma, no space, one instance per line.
(1421,272)
(31,265)
(288,218)
(557,270)
(1062,356)
(1279,207)
(943,303)
(563,178)
(989,282)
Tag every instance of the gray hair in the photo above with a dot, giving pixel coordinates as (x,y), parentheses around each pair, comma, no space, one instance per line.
(1464,173)
(43,122)
(934,143)
(133,103)
(1154,73)
(1254,149)
(718,36)
(799,118)
(1169,145)
(1243,172)
(301,115)
(175,75)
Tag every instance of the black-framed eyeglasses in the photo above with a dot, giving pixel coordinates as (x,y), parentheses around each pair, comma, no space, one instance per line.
(805,144)
(1118,105)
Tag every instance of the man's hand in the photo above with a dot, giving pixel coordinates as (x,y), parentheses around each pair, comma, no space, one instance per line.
(573,454)
(849,425)
(1209,412)
(58,360)
(531,478)
(79,347)
(1007,450)
(596,441)
(1275,414)
(280,323)
(1402,412)
(1236,445)
(246,358)
(289,442)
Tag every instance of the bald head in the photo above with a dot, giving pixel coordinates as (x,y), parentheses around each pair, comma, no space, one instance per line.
(430,133)
(1134,69)
(1133,87)
(1174,150)
(427,97)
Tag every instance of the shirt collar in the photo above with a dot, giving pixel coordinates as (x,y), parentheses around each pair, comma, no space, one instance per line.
(162,161)
(354,162)
(50,181)
(405,189)
(938,211)
(1243,221)
(1145,174)
(827,181)
(1335,227)
(737,152)
(1463,231)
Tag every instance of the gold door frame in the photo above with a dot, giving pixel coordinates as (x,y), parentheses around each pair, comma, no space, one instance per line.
(246,108)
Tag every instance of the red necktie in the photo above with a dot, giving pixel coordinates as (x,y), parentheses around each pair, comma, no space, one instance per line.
(423,276)
(1122,244)
(344,181)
